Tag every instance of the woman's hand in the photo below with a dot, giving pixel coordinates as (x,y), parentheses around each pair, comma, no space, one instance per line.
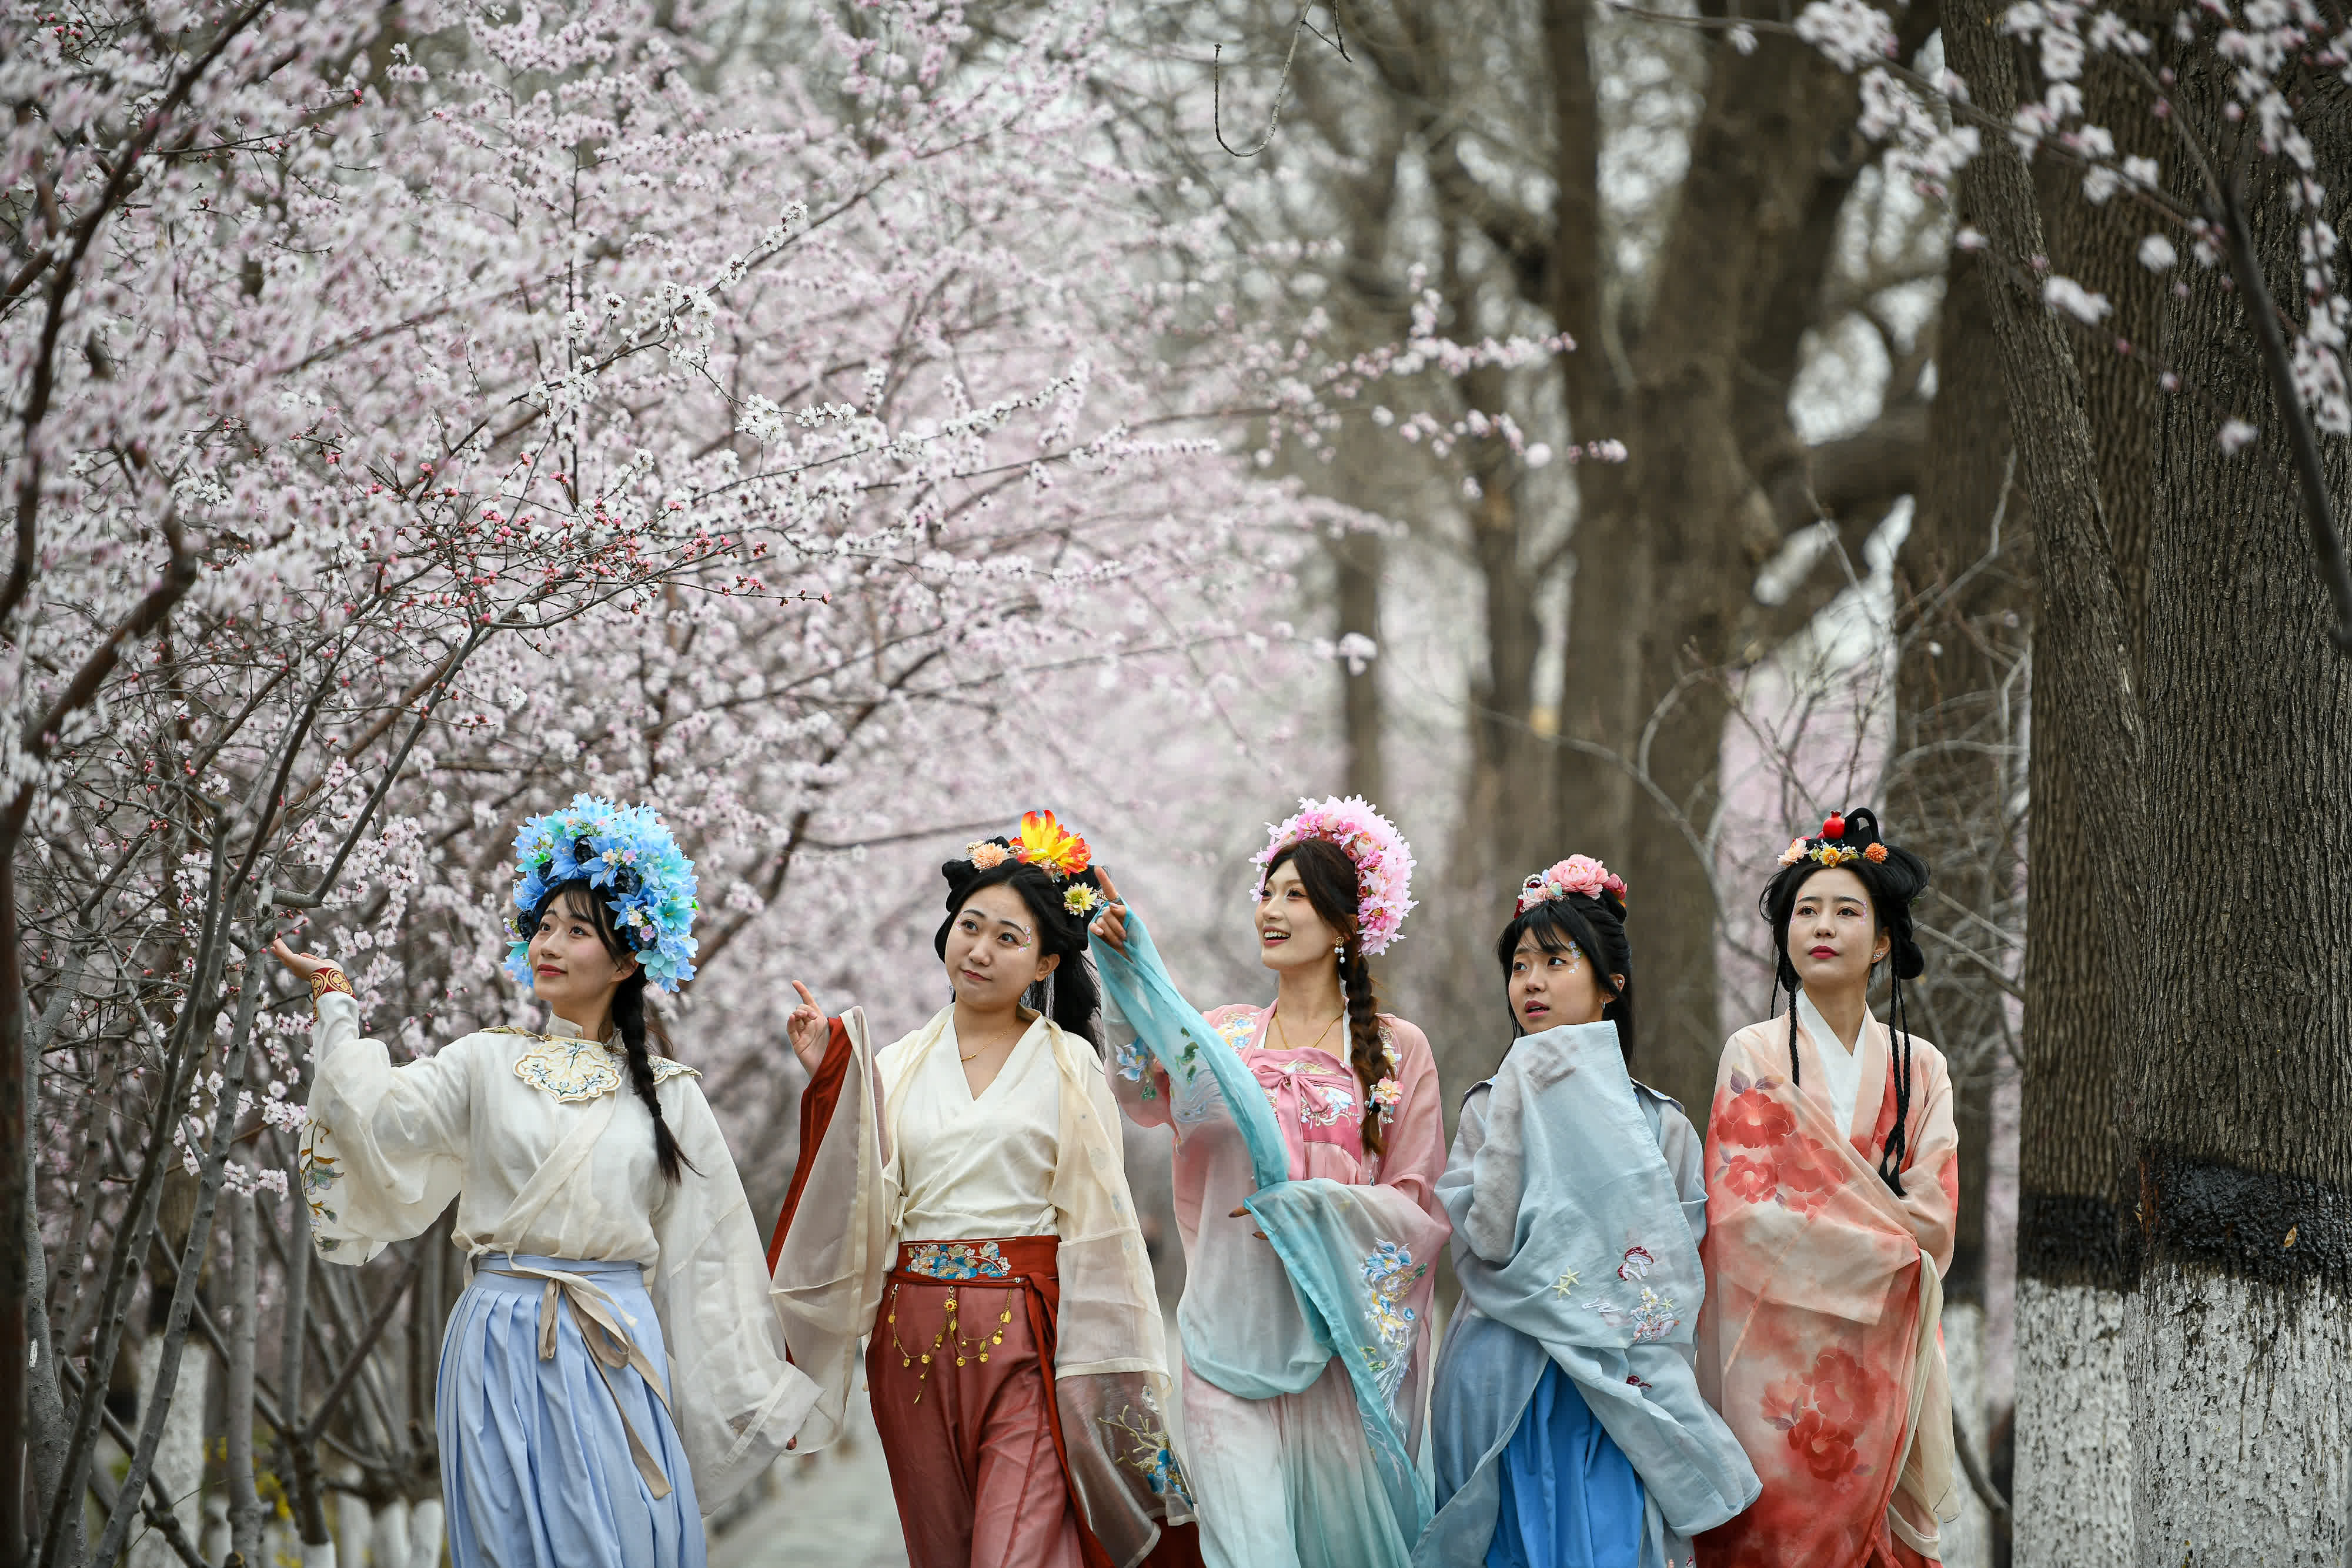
(303,965)
(1238,1213)
(1111,926)
(808,1030)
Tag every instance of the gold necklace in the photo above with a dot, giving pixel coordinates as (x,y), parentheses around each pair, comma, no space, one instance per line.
(984,1050)
(1285,1032)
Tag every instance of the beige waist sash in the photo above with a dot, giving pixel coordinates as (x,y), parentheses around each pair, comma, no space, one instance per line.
(600,1320)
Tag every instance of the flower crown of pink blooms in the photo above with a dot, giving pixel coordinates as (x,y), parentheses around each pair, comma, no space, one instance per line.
(1830,850)
(1577,874)
(1383,862)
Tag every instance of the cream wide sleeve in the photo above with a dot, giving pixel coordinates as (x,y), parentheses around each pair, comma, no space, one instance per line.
(384,1149)
(833,1246)
(736,1398)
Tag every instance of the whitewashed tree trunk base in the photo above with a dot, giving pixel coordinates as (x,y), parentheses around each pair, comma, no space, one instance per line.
(389,1548)
(354,1527)
(1968,1540)
(2073,1493)
(2242,1435)
(425,1532)
(180,1454)
(320,1556)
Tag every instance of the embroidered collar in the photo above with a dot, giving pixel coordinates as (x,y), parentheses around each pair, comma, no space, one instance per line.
(573,1068)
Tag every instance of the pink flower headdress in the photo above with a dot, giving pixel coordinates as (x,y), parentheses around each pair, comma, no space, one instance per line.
(1383,862)
(1577,874)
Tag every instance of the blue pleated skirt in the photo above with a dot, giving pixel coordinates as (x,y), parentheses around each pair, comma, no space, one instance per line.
(535,1466)
(1571,1498)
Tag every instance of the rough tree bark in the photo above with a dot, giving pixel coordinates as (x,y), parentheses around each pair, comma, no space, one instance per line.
(1964,595)
(2239,1333)
(2077,1261)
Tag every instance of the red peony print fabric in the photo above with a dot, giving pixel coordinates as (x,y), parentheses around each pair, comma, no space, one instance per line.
(1819,1340)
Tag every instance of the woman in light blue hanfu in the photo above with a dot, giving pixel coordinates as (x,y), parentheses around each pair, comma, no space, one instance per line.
(1567,1422)
(615,1368)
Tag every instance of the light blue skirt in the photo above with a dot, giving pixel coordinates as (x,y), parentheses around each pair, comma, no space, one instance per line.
(1527,1477)
(535,1466)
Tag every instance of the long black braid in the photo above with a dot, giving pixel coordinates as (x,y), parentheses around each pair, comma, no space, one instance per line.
(632,1017)
(1894,880)
(636,1022)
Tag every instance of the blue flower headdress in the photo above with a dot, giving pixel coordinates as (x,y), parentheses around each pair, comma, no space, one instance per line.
(626,854)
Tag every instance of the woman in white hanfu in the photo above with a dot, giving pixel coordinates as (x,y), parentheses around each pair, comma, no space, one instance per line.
(615,1368)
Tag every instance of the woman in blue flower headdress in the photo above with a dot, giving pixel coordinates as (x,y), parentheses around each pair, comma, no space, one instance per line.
(615,1369)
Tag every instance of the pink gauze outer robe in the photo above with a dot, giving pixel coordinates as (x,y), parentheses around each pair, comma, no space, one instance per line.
(1265,1471)
(1819,1341)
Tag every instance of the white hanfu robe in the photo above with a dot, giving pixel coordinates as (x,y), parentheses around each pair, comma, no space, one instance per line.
(550,1155)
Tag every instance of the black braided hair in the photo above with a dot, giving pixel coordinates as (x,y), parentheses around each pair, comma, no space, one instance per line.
(1893,882)
(636,1019)
(1596,925)
(1076,999)
(1329,877)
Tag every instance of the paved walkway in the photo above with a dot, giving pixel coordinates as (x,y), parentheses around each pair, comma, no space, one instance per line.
(833,1508)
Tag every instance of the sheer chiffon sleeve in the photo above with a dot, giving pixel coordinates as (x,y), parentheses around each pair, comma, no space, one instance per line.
(384,1149)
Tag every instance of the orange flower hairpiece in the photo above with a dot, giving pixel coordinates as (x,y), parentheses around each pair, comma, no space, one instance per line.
(1050,847)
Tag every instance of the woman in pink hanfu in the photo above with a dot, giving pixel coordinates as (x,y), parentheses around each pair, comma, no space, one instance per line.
(1833,1180)
(1309,1236)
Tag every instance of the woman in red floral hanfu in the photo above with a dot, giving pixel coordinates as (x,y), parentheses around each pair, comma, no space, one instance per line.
(1833,1182)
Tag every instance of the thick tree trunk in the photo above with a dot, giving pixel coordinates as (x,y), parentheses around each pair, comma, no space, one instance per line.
(1704,523)
(1963,603)
(2076,1259)
(1611,589)
(2089,828)
(1959,714)
(2241,1327)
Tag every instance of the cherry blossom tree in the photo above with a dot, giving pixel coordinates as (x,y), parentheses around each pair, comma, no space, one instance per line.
(795,420)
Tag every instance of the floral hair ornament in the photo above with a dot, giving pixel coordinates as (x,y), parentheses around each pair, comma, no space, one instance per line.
(1044,843)
(1383,862)
(1830,850)
(1576,874)
(624,853)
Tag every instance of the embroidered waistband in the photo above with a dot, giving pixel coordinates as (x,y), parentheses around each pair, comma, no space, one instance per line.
(1007,1258)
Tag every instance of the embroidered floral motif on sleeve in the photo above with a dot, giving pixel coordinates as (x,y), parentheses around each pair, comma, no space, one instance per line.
(1390,1274)
(957,1261)
(329,979)
(1128,1061)
(1148,1453)
(319,1173)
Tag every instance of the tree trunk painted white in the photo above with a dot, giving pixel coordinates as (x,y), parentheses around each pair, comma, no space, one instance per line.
(319,1556)
(1968,1540)
(2241,1429)
(180,1456)
(425,1530)
(216,1541)
(2073,1487)
(388,1548)
(354,1524)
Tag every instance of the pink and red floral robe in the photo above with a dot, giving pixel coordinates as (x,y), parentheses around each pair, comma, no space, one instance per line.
(1819,1341)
